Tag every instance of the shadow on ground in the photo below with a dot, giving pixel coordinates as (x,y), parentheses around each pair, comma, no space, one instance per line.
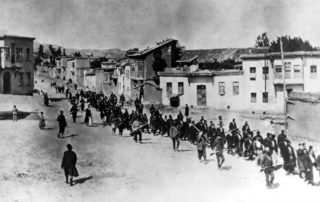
(7,115)
(82,180)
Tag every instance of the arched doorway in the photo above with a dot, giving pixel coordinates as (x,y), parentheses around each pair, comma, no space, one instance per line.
(7,83)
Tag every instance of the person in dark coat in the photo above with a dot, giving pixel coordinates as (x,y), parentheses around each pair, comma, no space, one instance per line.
(62,124)
(308,165)
(180,116)
(68,163)
(300,153)
(122,100)
(88,115)
(73,111)
(186,111)
(289,158)
(45,99)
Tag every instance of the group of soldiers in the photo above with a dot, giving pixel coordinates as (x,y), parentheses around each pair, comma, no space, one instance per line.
(242,141)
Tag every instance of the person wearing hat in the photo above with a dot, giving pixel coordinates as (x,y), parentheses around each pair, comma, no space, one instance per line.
(267,166)
(62,124)
(68,163)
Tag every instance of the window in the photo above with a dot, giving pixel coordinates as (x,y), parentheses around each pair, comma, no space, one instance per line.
(7,54)
(19,54)
(265,72)
(297,71)
(73,64)
(28,81)
(236,88)
(13,52)
(287,67)
(72,73)
(180,88)
(265,97)
(221,88)
(20,79)
(252,73)
(253,97)
(278,72)
(313,71)
(169,88)
(28,54)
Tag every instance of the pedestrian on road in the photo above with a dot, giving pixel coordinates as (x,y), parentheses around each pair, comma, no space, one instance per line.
(73,111)
(174,134)
(267,166)
(218,144)
(69,161)
(42,122)
(88,115)
(14,113)
(62,124)
(186,111)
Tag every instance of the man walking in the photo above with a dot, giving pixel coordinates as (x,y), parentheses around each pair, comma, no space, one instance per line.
(174,134)
(62,124)
(218,144)
(69,161)
(73,111)
(267,167)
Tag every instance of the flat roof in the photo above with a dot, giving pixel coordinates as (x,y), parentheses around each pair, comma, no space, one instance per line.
(16,37)
(278,55)
(200,73)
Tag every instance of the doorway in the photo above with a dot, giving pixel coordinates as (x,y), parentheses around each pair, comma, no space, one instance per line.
(7,83)
(201,95)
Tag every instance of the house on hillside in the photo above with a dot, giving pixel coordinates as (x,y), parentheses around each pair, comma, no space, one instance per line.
(72,65)
(144,70)
(16,65)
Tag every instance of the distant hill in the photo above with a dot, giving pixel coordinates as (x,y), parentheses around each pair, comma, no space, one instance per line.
(114,52)
(210,55)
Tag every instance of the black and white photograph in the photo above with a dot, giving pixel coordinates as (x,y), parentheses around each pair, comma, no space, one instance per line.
(159,100)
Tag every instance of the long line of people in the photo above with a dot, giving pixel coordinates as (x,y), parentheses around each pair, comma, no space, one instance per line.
(242,142)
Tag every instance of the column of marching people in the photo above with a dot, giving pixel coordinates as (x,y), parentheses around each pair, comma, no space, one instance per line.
(240,141)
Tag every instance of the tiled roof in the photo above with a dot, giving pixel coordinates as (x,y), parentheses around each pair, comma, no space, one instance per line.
(149,50)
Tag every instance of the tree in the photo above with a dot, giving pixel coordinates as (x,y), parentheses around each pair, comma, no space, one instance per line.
(40,51)
(77,54)
(262,40)
(64,52)
(58,52)
(291,44)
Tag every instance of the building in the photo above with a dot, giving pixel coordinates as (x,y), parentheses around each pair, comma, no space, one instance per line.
(61,67)
(215,89)
(72,65)
(164,54)
(16,65)
(257,87)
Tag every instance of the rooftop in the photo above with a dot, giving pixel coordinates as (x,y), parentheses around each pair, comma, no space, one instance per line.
(16,37)
(278,55)
(174,72)
(149,50)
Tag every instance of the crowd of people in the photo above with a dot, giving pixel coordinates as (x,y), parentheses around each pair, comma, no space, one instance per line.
(240,141)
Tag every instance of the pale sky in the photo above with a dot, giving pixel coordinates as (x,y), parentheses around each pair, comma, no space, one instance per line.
(197,24)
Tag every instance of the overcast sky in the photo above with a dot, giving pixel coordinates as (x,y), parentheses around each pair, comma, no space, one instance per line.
(197,24)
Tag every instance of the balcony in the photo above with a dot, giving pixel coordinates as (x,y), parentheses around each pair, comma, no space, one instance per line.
(137,75)
(296,79)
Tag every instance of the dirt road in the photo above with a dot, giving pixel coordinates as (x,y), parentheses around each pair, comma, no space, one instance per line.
(114,168)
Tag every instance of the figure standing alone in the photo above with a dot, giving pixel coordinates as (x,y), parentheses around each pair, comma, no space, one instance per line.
(69,161)
(14,113)
(62,124)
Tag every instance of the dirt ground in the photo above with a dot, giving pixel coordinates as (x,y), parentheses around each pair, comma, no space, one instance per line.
(114,168)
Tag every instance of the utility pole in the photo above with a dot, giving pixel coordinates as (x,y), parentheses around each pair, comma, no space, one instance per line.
(284,89)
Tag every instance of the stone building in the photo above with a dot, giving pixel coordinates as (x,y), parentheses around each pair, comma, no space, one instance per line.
(16,65)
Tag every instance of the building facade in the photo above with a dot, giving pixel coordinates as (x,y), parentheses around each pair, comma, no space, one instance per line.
(72,65)
(16,65)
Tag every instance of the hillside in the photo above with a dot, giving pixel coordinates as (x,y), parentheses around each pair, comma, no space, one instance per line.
(114,52)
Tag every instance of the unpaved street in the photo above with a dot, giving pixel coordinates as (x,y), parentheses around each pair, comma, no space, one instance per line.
(114,168)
